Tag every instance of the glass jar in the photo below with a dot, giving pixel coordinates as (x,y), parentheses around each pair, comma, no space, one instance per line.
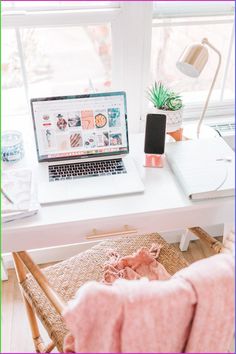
(12,146)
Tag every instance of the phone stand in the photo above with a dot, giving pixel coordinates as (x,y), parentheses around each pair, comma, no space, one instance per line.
(154,160)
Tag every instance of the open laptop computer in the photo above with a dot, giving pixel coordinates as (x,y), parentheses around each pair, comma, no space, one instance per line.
(82,146)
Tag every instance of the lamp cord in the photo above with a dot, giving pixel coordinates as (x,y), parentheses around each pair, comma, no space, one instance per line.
(225,177)
(205,41)
(226,161)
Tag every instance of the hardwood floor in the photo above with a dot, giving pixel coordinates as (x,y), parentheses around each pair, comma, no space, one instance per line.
(16,336)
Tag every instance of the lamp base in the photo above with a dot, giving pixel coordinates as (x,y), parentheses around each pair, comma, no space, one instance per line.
(206,132)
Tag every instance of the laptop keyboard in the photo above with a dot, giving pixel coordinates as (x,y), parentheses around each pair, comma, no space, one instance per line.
(86,169)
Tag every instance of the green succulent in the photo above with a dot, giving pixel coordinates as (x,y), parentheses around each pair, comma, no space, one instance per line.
(163,98)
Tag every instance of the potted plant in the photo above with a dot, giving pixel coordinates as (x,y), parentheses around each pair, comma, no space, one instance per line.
(169,103)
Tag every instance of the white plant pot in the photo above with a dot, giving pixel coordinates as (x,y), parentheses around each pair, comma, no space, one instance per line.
(174,119)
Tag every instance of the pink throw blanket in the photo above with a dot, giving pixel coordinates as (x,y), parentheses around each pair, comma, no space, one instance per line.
(142,263)
(193,311)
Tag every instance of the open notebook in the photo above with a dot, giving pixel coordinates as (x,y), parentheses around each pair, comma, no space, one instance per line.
(204,168)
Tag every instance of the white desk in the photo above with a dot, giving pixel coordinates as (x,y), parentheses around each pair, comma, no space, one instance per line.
(162,207)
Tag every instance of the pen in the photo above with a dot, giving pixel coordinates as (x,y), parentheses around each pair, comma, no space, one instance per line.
(6,196)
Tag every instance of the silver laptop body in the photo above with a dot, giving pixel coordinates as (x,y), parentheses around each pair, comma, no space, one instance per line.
(83,148)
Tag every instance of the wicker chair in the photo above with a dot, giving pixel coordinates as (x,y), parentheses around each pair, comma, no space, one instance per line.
(46,292)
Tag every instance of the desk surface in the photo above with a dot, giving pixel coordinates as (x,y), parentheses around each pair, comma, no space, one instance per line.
(163,198)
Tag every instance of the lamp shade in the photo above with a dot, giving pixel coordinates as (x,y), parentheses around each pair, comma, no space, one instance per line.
(193,60)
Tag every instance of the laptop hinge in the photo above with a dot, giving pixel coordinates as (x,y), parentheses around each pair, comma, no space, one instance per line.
(100,158)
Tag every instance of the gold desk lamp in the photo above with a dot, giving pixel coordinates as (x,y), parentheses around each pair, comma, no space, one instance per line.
(191,63)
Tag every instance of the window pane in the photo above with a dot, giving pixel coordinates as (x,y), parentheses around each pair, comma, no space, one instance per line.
(68,60)
(57,5)
(163,9)
(13,93)
(169,41)
(229,91)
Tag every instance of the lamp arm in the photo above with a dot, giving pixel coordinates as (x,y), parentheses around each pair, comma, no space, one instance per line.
(205,41)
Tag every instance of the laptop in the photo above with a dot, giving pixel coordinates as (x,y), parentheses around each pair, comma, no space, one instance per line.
(83,147)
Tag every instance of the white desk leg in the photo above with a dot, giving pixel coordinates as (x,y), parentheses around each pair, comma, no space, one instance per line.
(185,239)
(4,275)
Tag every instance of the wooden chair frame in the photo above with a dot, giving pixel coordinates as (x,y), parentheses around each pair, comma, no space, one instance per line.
(23,261)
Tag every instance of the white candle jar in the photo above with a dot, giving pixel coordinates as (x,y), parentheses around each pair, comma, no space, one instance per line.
(12,146)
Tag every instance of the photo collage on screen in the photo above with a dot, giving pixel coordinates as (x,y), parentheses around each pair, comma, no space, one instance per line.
(82,131)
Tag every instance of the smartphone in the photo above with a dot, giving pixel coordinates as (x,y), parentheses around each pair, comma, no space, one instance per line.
(155,134)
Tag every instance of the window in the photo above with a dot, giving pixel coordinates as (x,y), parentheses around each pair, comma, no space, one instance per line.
(57,61)
(51,52)
(173,30)
(103,32)
(64,47)
(13,93)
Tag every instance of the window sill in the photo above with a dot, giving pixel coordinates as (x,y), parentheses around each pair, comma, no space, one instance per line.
(192,118)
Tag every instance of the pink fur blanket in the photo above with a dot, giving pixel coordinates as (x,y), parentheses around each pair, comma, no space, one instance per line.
(193,311)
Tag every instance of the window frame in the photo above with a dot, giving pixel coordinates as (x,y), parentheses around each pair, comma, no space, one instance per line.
(127,60)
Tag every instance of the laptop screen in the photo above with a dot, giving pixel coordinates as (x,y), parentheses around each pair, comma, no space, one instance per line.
(81,126)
